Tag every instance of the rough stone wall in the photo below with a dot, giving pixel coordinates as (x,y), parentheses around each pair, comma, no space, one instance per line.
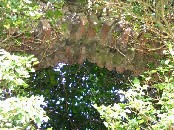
(108,43)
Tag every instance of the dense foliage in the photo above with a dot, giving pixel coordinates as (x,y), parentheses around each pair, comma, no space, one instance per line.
(70,92)
(150,101)
(75,97)
(16,110)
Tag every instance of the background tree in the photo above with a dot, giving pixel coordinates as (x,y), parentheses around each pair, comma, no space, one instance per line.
(70,92)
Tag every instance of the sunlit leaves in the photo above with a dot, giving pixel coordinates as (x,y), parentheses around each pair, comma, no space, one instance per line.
(114,115)
(136,82)
(150,100)
(18,13)
(53,14)
(13,68)
(20,112)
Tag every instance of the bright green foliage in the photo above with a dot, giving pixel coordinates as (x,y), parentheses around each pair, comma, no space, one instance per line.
(150,103)
(22,113)
(21,17)
(17,13)
(18,112)
(150,99)
(14,69)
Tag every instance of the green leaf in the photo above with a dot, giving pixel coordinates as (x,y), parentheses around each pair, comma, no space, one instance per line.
(136,82)
(7,26)
(50,13)
(57,14)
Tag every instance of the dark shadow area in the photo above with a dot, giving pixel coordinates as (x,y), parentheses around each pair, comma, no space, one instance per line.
(70,91)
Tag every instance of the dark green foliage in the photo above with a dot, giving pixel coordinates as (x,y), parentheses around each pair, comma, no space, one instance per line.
(70,93)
